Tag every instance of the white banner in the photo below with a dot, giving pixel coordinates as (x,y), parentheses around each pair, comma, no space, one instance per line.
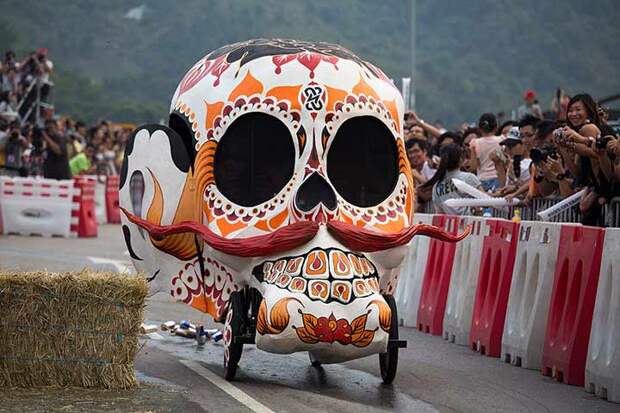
(561,206)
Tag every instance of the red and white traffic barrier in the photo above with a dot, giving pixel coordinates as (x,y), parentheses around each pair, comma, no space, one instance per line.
(47,207)
(496,266)
(106,198)
(572,303)
(113,212)
(437,278)
(603,363)
(37,206)
(84,208)
(530,293)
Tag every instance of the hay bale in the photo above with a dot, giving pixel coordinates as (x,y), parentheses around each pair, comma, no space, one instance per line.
(70,329)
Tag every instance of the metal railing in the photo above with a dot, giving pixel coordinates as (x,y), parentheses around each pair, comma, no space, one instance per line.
(32,101)
(611,211)
(530,213)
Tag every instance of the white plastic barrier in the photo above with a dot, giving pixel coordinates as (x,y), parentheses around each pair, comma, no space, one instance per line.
(412,274)
(530,294)
(603,363)
(100,194)
(32,206)
(463,282)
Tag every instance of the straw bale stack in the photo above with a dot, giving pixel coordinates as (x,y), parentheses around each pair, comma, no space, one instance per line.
(70,329)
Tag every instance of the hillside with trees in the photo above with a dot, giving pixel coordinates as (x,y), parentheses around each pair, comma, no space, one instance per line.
(122,60)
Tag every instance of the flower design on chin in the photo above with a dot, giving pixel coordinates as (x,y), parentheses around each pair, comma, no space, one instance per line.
(330,330)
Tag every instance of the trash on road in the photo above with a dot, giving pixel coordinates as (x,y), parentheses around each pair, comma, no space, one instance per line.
(168,325)
(147,328)
(186,329)
(185,332)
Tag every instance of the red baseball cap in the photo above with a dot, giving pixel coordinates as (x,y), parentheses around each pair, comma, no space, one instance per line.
(529,94)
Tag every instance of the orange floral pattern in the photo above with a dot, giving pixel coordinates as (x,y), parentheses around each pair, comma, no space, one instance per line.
(278,315)
(385,314)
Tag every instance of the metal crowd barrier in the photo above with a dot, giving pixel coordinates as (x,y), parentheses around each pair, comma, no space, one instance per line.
(529,213)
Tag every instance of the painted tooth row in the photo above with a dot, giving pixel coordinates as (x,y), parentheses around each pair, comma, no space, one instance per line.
(318,265)
(340,290)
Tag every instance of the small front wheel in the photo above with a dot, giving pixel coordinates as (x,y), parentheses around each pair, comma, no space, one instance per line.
(388,361)
(233,327)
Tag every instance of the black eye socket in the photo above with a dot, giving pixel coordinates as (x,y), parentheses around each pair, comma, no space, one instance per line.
(254,159)
(185,154)
(362,162)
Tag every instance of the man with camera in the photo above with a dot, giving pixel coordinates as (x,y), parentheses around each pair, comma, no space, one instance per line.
(547,173)
(13,147)
(550,177)
(37,65)
(56,164)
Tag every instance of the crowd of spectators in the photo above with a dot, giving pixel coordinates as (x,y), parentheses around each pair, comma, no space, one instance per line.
(539,155)
(35,141)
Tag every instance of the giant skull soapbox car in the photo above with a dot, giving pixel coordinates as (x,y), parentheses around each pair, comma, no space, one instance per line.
(279,199)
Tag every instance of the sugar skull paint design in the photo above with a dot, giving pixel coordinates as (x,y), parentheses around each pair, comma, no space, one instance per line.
(282,169)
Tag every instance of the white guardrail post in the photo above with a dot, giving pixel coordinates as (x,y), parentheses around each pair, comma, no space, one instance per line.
(412,273)
(603,363)
(530,293)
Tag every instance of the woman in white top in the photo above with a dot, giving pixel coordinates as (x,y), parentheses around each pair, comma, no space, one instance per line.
(443,188)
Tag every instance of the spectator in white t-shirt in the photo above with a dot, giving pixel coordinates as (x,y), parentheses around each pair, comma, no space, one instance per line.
(451,160)
(484,150)
(518,170)
(46,65)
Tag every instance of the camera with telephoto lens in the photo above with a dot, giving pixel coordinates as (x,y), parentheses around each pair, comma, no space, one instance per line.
(541,154)
(602,141)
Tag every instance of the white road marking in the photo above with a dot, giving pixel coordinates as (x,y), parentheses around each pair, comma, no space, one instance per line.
(233,391)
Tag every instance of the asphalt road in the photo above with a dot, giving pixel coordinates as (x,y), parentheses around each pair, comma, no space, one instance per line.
(177,375)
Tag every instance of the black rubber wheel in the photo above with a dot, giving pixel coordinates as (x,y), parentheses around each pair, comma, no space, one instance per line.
(234,326)
(388,361)
(314,362)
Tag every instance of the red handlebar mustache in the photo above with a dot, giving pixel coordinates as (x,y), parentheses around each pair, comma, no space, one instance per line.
(283,239)
(364,240)
(295,235)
